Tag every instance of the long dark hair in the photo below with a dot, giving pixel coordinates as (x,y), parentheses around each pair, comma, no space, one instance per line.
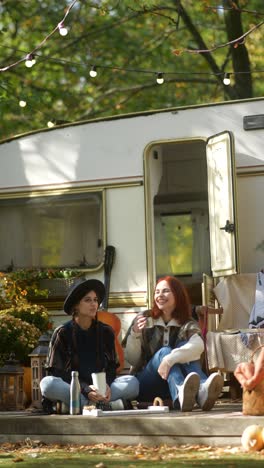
(99,336)
(182,311)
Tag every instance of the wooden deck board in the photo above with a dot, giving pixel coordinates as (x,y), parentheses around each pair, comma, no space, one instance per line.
(223,425)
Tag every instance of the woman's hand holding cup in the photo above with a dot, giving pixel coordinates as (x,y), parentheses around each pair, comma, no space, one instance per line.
(95,396)
(139,323)
(100,389)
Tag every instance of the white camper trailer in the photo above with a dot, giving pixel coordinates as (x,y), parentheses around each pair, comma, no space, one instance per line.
(176,191)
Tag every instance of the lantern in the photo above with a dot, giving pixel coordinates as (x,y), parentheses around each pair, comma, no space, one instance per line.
(38,361)
(11,385)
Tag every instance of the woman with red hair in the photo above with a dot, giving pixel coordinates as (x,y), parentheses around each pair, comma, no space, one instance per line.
(164,347)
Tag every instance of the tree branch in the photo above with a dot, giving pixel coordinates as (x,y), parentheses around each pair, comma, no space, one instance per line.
(202,46)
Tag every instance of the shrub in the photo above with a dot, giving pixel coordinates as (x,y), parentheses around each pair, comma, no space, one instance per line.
(17,287)
(21,322)
(34,314)
(18,337)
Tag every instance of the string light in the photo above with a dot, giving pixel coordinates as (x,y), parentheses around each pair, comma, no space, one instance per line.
(226,79)
(93,72)
(159,75)
(62,29)
(39,46)
(22,103)
(30,60)
(160,78)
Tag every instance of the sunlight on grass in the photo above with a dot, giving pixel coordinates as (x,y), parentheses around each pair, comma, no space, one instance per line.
(112,456)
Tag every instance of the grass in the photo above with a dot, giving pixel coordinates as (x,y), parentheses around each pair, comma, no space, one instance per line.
(34,454)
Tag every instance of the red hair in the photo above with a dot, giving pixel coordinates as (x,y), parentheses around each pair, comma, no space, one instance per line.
(182,311)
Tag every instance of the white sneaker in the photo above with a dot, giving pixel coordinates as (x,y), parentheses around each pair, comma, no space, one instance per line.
(209,391)
(117,404)
(188,391)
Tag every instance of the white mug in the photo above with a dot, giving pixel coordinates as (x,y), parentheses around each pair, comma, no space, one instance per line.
(99,381)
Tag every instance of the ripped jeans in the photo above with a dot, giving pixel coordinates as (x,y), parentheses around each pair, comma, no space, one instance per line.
(56,389)
(151,384)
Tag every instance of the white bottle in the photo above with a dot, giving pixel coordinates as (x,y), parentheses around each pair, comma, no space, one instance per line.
(75,394)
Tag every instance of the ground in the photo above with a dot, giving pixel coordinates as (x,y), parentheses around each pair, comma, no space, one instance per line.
(35,454)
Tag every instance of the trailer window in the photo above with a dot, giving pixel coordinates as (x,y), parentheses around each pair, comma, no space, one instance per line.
(182,243)
(174,244)
(52,231)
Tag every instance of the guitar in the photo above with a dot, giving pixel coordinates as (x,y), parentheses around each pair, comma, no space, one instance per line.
(108,265)
(108,317)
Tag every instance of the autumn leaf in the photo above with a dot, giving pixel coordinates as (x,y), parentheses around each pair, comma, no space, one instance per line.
(177,52)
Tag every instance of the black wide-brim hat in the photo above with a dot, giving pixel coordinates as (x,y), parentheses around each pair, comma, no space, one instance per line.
(78,291)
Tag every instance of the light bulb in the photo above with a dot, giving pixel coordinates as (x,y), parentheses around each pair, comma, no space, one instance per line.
(50,124)
(93,72)
(30,61)
(62,30)
(22,103)
(226,79)
(160,78)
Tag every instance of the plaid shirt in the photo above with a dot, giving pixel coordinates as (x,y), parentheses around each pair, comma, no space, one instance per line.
(63,353)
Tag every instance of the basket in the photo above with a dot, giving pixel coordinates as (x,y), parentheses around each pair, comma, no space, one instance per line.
(253,400)
(57,287)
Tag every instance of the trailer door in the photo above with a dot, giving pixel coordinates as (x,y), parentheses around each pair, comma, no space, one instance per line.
(222,210)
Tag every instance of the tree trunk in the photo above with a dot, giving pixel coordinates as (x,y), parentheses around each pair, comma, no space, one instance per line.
(239,54)
(229,90)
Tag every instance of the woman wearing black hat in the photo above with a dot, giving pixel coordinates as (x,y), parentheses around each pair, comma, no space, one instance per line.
(86,345)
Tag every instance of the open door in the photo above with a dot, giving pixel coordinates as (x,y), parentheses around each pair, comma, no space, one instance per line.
(222,209)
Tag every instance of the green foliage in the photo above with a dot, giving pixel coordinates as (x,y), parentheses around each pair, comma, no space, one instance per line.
(18,337)
(26,275)
(16,287)
(21,322)
(56,273)
(20,286)
(119,36)
(33,314)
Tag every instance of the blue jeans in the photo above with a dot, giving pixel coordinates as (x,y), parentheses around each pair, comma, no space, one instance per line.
(54,388)
(151,384)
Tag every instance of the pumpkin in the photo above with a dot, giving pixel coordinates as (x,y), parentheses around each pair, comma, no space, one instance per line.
(252,438)
(263,435)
